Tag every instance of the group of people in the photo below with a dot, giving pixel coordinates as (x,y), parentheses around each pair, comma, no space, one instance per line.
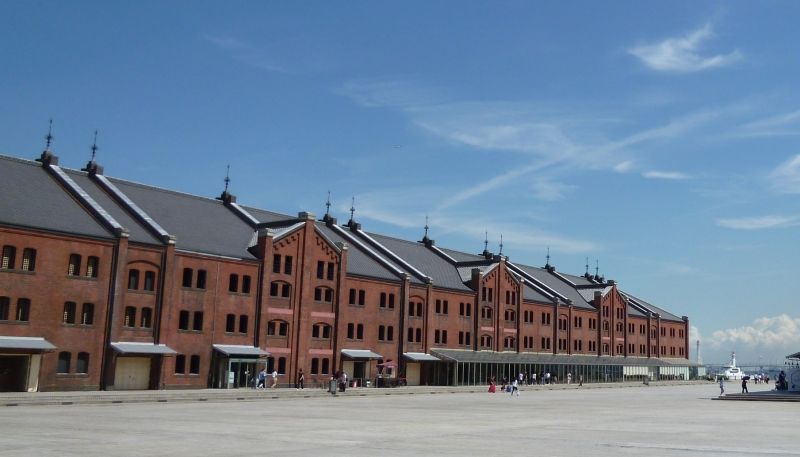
(262,380)
(522,379)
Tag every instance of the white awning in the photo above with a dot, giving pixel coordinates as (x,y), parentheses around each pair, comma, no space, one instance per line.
(420,357)
(142,348)
(239,350)
(25,343)
(360,354)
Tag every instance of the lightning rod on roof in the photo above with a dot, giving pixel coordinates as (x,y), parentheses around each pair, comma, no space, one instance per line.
(94,146)
(548,257)
(352,208)
(49,136)
(328,205)
(587,266)
(227,176)
(426,226)
(501,244)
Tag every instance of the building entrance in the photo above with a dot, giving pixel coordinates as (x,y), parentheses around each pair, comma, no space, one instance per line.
(14,373)
(244,374)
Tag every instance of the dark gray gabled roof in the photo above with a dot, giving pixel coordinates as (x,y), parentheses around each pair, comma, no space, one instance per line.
(443,273)
(553,282)
(138,233)
(200,224)
(264,216)
(459,256)
(531,294)
(358,261)
(30,197)
(665,315)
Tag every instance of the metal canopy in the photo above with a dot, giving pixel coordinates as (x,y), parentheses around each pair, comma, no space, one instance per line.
(26,343)
(465,356)
(363,354)
(420,357)
(239,350)
(142,348)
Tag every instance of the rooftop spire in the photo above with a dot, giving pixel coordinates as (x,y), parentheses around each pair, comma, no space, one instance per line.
(328,205)
(501,244)
(596,269)
(352,208)
(547,264)
(227,177)
(49,136)
(587,267)
(424,238)
(94,146)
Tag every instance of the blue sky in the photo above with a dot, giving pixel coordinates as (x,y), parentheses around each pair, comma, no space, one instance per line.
(660,139)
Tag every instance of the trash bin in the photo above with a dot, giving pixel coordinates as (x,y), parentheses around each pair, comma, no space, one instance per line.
(332,387)
(647,380)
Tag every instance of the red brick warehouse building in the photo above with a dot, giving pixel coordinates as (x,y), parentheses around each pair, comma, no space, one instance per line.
(110,284)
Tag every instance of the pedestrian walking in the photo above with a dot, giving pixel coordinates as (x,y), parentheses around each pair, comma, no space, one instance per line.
(533,379)
(569,378)
(274,379)
(515,388)
(580,380)
(301,378)
(262,379)
(721,386)
(744,386)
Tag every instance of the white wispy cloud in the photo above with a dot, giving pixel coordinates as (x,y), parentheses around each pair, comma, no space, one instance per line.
(759,223)
(545,188)
(785,124)
(623,167)
(673,175)
(785,178)
(245,53)
(769,333)
(682,54)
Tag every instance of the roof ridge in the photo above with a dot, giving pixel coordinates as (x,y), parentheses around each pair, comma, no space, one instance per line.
(20,160)
(171,191)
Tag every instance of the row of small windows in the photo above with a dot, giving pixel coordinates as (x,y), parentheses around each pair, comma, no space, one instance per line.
(486,294)
(277,328)
(385,333)
(145,317)
(322,331)
(361,297)
(563,323)
(65,363)
(281,366)
(184,320)
(440,336)
(149,280)
(74,267)
(287,264)
(464,309)
(280,289)
(465,338)
(180,364)
(511,297)
(23,311)
(416,309)
(324,369)
(70,312)
(323,268)
(189,278)
(414,335)
(441,307)
(355,331)
(230,323)
(9,259)
(323,294)
(233,284)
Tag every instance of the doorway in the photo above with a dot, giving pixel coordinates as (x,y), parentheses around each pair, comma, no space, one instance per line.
(14,373)
(132,373)
(244,374)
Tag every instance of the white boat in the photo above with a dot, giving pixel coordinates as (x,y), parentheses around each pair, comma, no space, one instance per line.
(733,372)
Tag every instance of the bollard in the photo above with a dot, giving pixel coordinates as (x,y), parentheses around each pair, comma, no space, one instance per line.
(332,387)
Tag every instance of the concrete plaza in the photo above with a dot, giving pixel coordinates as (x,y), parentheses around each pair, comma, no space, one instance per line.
(657,420)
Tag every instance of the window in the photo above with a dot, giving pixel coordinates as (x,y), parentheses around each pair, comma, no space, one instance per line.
(64,359)
(130,317)
(280,289)
(605,326)
(411,335)
(323,294)
(351,331)
(69,313)
(149,281)
(620,327)
(545,318)
(29,259)
(277,328)
(188,273)
(282,363)
(5,305)
(390,333)
(92,265)
(527,342)
(631,328)
(382,302)
(605,348)
(438,306)
(360,332)
(563,323)
(87,314)
(194,364)
(330,270)
(486,312)
(545,343)
(486,341)
(233,283)
(287,265)
(147,318)
(9,257)
(246,284)
(183,320)
(382,333)
(230,323)
(321,330)
(82,365)
(74,268)
(243,323)
(527,317)
(133,279)
(508,297)
(577,322)
(440,336)
(320,269)
(511,315)
(326,363)
(509,342)
(352,298)
(23,310)
(314,366)
(201,279)
(180,364)
(197,322)
(361,297)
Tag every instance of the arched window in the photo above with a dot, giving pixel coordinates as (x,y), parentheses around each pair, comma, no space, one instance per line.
(280,289)
(511,315)
(29,259)
(74,268)
(133,279)
(509,342)
(64,359)
(87,314)
(277,328)
(486,312)
(149,281)
(92,265)
(82,365)
(69,312)
(9,257)
(323,294)
(486,341)
(605,326)
(321,330)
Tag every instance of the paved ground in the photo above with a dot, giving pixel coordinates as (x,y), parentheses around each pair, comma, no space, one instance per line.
(657,421)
